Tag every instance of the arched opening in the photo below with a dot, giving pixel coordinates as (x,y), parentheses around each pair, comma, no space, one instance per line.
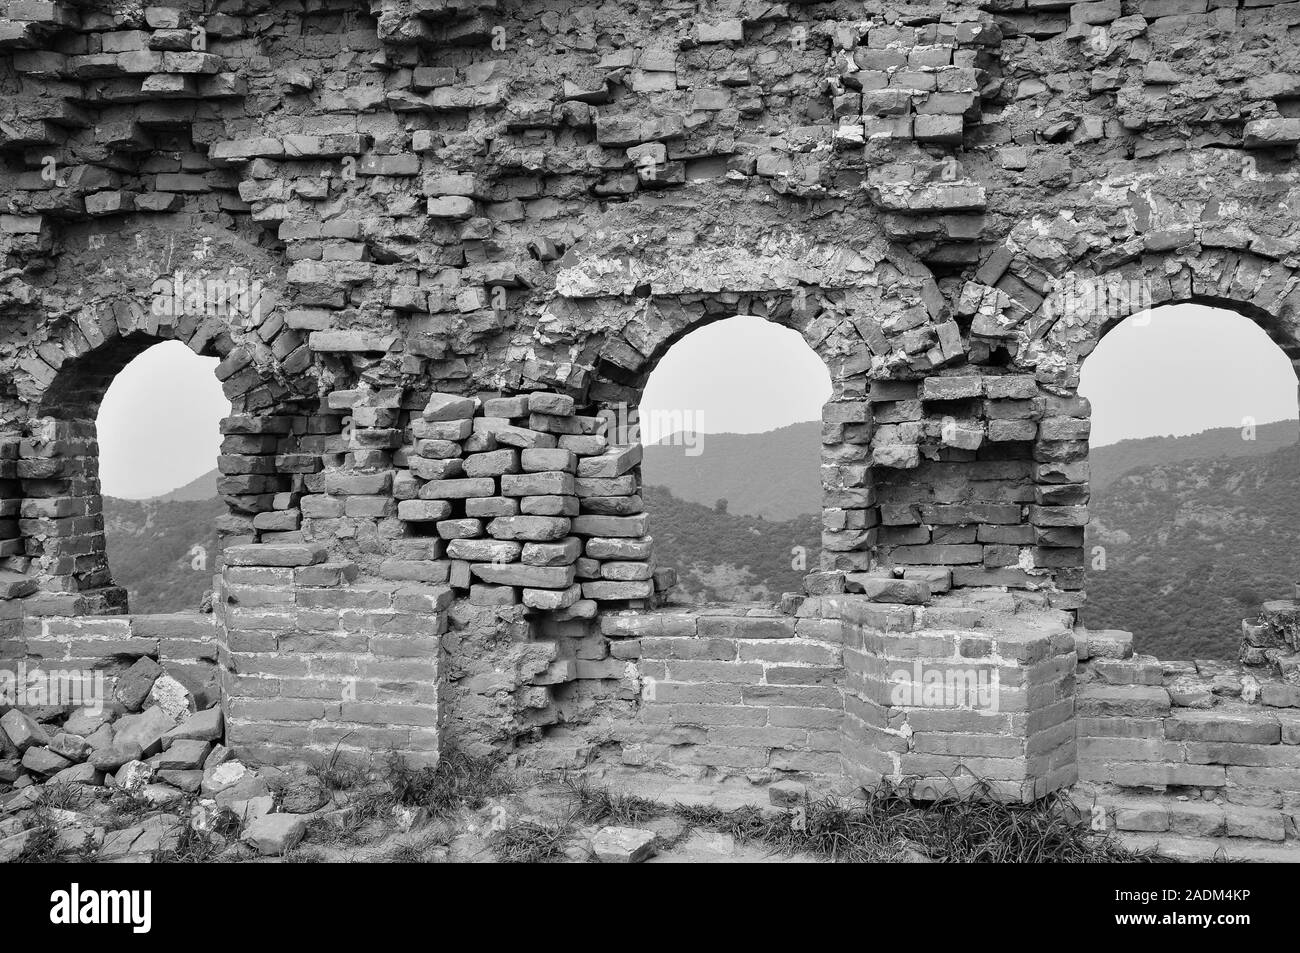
(159,438)
(193,370)
(1193,465)
(730,419)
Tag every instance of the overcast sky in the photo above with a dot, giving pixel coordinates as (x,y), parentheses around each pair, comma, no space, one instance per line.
(1178,370)
(1173,371)
(1183,369)
(158,422)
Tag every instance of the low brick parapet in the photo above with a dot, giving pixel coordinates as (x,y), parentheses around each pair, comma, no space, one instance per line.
(1203,749)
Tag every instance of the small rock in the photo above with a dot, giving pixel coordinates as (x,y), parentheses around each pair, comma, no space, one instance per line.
(160,795)
(84,773)
(225,775)
(623,845)
(188,781)
(44,761)
(786,793)
(70,746)
(133,776)
(172,697)
(116,755)
(200,726)
(300,791)
(22,731)
(101,737)
(232,781)
(274,833)
(159,832)
(10,770)
(252,808)
(220,755)
(22,798)
(12,846)
(184,755)
(86,721)
(145,729)
(134,684)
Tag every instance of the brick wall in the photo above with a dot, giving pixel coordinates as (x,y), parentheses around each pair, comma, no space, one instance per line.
(431,247)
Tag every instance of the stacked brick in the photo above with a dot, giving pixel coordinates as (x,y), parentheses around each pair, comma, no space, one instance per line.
(321,661)
(184,644)
(1271,642)
(983,474)
(1200,756)
(738,690)
(530,502)
(468,199)
(127,80)
(900,87)
(61,514)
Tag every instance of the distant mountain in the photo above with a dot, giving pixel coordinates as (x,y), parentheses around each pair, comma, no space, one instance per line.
(1191,548)
(1197,530)
(200,488)
(1114,459)
(775,475)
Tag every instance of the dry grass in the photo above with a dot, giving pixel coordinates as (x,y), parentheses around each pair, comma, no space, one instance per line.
(531,842)
(888,826)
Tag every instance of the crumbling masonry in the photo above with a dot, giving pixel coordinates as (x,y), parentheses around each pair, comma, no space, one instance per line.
(439,245)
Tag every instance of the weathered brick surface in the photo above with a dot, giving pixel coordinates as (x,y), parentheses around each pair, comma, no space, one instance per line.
(436,293)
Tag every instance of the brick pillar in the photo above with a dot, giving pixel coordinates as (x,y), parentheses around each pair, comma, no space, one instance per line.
(938,697)
(61,519)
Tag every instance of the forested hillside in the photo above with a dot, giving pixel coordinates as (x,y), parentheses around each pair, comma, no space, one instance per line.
(150,550)
(1191,548)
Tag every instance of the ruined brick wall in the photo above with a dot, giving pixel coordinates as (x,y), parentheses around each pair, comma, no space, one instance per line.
(436,242)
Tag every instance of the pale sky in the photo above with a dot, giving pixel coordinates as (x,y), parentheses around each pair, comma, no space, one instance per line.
(158,423)
(1182,369)
(738,375)
(1176,370)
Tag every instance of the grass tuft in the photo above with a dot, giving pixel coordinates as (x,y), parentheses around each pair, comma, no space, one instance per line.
(337,774)
(459,781)
(531,842)
(592,805)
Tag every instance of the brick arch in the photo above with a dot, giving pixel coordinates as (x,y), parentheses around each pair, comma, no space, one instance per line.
(1057,331)
(1258,288)
(836,325)
(58,539)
